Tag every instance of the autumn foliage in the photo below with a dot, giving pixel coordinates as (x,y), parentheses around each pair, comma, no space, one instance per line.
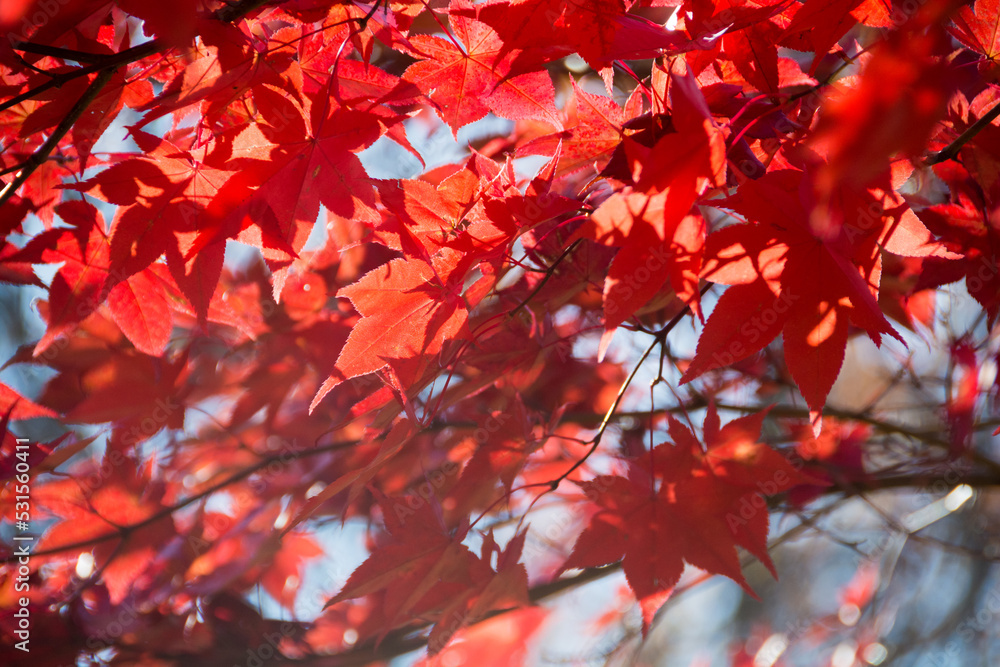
(611,270)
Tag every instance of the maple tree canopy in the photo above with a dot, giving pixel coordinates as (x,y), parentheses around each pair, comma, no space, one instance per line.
(644,289)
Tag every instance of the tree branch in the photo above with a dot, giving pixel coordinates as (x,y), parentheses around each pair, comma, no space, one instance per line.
(65,54)
(106,68)
(124,531)
(400,642)
(238,10)
(40,155)
(952,149)
(125,57)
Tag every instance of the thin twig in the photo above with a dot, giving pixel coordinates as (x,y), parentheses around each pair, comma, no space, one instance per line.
(545,279)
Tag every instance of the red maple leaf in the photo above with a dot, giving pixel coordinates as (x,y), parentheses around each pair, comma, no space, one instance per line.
(803,277)
(893,108)
(166,200)
(469,75)
(15,407)
(82,283)
(651,222)
(125,506)
(592,139)
(424,569)
(694,504)
(978,28)
(283,577)
(410,309)
(85,280)
(293,162)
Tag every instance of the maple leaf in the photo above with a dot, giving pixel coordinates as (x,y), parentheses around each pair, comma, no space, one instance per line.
(82,283)
(175,23)
(165,201)
(85,393)
(415,221)
(424,569)
(892,109)
(14,406)
(497,642)
(124,500)
(819,24)
(590,142)
(651,222)
(656,247)
(289,166)
(140,308)
(600,31)
(104,109)
(591,26)
(221,72)
(98,116)
(138,303)
(787,279)
(694,505)
(283,576)
(754,52)
(979,29)
(55,106)
(16,272)
(410,309)
(975,238)
(469,77)
(467,296)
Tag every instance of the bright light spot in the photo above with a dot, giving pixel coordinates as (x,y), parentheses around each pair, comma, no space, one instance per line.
(306,287)
(849,614)
(959,495)
(282,519)
(350,636)
(707,39)
(453,658)
(291,582)
(875,654)
(315,490)
(823,331)
(85,565)
(770,650)
(576,64)
(843,655)
(987,374)
(674,19)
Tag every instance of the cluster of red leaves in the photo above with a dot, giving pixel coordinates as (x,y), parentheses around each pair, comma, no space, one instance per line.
(419,364)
